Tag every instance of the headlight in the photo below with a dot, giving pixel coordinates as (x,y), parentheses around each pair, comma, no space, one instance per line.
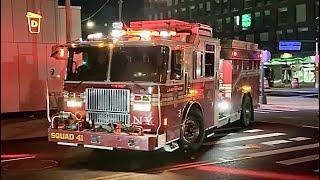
(74,103)
(142,107)
(223,106)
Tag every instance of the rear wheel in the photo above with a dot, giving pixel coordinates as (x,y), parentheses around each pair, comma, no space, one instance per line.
(246,111)
(192,131)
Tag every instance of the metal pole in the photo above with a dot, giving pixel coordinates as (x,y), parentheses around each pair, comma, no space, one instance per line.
(120,10)
(263,98)
(68,20)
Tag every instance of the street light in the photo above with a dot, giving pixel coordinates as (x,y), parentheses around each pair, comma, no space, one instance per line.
(90,24)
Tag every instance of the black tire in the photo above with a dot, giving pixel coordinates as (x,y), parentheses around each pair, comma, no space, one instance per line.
(246,111)
(192,132)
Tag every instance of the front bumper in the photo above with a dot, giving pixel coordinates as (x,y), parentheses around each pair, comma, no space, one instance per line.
(102,140)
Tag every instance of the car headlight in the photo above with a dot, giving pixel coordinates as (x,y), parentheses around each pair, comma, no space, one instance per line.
(142,107)
(74,103)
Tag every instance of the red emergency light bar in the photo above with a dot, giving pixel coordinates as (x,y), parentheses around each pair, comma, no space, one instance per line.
(174,25)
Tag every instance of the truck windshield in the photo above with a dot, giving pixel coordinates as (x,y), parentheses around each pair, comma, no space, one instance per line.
(87,64)
(139,64)
(131,64)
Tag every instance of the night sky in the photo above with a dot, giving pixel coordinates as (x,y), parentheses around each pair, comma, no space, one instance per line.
(132,10)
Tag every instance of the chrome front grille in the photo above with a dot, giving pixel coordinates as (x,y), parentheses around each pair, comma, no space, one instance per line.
(110,100)
(108,106)
(105,118)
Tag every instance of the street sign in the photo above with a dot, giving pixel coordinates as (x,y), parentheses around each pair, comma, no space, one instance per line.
(289,45)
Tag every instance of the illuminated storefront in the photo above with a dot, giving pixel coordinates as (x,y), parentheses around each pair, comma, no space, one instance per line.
(29,29)
(280,71)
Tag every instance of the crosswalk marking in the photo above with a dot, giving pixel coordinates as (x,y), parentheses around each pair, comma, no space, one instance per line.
(314,127)
(299,160)
(249,138)
(233,148)
(274,110)
(299,139)
(275,142)
(253,130)
(283,150)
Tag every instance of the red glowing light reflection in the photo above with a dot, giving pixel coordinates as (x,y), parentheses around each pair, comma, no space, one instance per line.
(255,173)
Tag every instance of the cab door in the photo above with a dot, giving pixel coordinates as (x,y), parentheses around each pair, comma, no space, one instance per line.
(211,89)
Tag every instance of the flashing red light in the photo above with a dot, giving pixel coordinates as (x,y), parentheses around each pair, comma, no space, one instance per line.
(137,98)
(234,53)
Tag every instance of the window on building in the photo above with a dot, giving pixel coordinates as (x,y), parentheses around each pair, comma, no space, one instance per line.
(182,1)
(236,23)
(250,37)
(176,61)
(290,34)
(175,13)
(176,2)
(217,6)
(301,14)
(283,15)
(161,15)
(200,5)
(235,5)
(184,12)
(201,9)
(150,16)
(218,25)
(169,14)
(228,20)
(264,36)
(226,6)
(208,6)
(197,65)
(192,12)
(155,16)
(247,4)
(303,33)
(279,34)
(257,19)
(169,3)
(267,18)
(267,2)
(259,3)
(316,9)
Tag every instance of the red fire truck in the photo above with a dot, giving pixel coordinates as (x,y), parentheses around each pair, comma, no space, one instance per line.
(155,84)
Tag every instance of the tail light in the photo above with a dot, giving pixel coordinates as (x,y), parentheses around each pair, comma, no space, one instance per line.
(234,53)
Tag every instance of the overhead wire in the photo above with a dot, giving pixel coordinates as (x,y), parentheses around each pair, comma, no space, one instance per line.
(95,13)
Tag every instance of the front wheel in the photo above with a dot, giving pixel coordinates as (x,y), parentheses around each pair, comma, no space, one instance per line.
(192,131)
(246,111)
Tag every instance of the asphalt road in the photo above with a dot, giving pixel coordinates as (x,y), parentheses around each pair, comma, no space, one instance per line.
(281,144)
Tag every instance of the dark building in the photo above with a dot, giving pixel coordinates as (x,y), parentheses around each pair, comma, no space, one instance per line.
(265,22)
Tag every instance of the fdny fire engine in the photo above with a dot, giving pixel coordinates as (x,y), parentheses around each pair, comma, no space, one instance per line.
(154,84)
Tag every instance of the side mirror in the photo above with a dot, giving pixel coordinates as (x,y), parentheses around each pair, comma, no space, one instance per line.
(59,53)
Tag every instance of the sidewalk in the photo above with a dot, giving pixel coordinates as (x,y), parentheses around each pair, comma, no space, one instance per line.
(312,92)
(24,128)
(292,102)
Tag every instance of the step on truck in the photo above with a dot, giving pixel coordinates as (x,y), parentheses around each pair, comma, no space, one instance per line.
(163,84)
